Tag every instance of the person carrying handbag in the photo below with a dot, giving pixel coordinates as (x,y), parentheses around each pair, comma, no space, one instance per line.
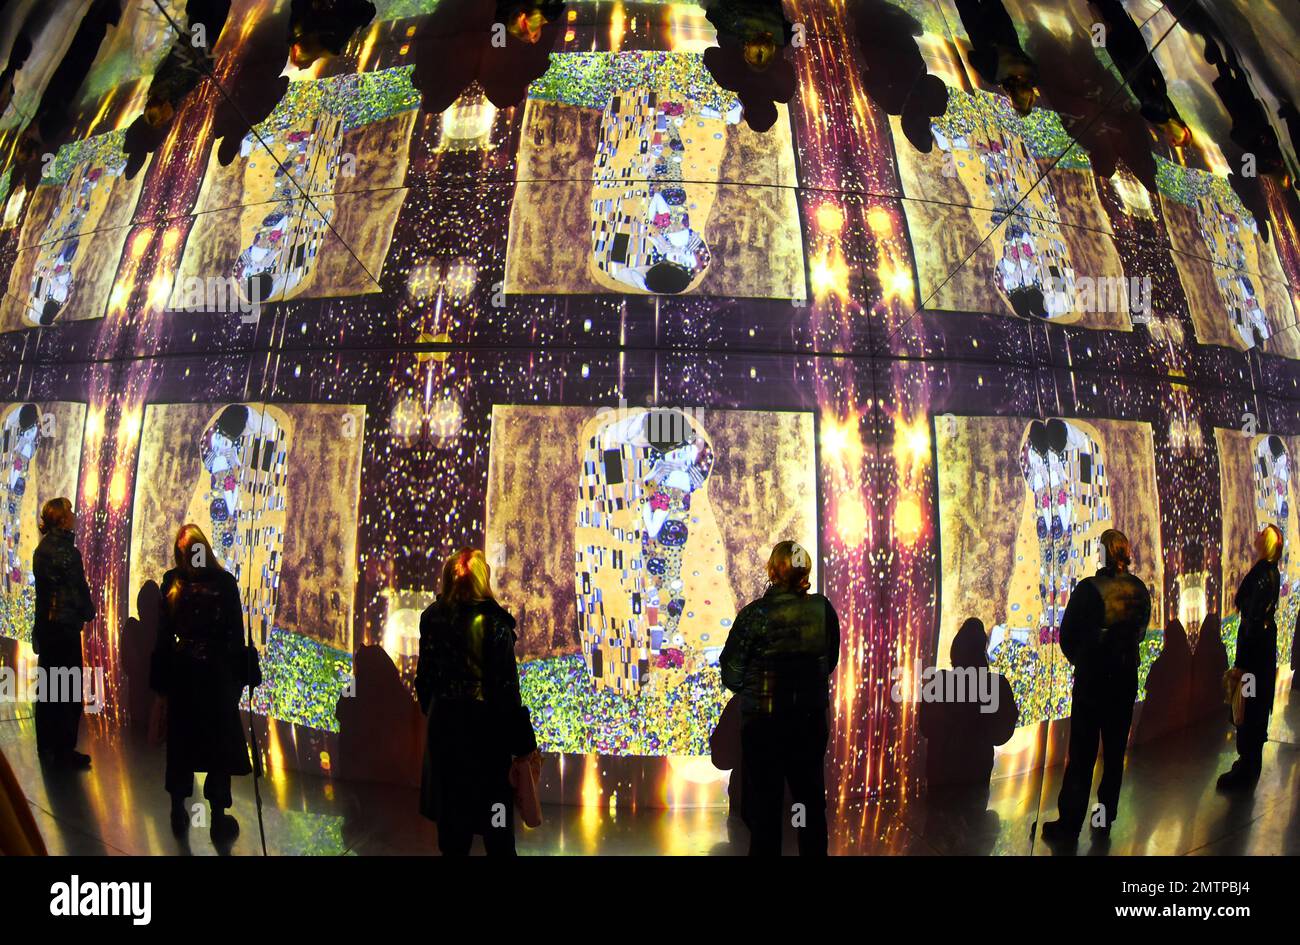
(468,683)
(200,665)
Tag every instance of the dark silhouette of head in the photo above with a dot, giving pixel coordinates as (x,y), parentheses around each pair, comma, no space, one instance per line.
(970,645)
(1051,436)
(666,430)
(667,279)
(28,416)
(233,421)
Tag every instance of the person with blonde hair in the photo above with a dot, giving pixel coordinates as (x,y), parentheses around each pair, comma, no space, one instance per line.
(1256,658)
(200,666)
(63,607)
(779,657)
(468,684)
(1104,623)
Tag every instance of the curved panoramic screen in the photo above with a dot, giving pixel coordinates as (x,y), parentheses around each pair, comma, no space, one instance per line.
(624,293)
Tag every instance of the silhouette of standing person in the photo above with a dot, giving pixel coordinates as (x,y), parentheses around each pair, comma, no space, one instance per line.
(1104,623)
(139,638)
(779,657)
(468,681)
(1256,600)
(200,666)
(962,733)
(1166,706)
(63,606)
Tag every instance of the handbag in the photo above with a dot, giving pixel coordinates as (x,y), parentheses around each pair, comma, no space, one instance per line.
(524,773)
(1232,695)
(253,666)
(158,721)
(520,738)
(252,675)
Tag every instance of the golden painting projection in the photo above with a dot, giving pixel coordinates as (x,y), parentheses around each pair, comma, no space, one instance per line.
(985,171)
(275,487)
(680,196)
(661,521)
(648,553)
(1022,504)
(1257,487)
(331,159)
(40,449)
(1235,286)
(72,240)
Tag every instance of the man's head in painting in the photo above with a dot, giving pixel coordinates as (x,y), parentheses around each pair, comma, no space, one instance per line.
(25,423)
(1050,436)
(666,278)
(219,441)
(1281,462)
(29,416)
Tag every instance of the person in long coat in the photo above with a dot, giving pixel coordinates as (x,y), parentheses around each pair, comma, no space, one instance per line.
(1256,658)
(468,683)
(63,606)
(200,665)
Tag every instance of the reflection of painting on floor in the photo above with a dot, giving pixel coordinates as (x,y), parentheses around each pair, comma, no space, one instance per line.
(1022,504)
(680,196)
(40,453)
(72,239)
(663,529)
(1234,284)
(1257,483)
(275,487)
(986,159)
(321,175)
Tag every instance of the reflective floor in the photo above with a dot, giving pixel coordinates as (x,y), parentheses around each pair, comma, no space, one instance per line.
(1169,806)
